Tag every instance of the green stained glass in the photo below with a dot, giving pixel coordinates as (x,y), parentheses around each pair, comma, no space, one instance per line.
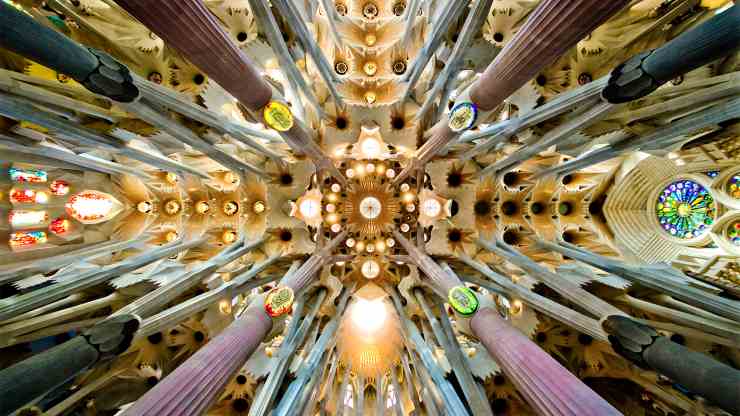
(685,209)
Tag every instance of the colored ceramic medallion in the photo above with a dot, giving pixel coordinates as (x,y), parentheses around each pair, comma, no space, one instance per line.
(463,116)
(278,116)
(279,301)
(463,300)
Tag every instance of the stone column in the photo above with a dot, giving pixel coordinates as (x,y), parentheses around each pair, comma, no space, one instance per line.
(97,71)
(699,373)
(189,27)
(552,28)
(193,387)
(645,72)
(546,385)
(29,379)
(302,277)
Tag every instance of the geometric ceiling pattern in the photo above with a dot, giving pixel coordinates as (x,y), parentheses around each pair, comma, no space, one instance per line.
(369,207)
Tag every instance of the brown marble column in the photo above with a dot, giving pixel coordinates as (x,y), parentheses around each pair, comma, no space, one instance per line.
(189,27)
(552,28)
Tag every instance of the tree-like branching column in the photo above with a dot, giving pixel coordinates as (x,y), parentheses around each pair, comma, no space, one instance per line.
(30,379)
(717,382)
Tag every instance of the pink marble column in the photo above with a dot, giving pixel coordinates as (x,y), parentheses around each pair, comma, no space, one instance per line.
(189,27)
(546,385)
(193,387)
(552,28)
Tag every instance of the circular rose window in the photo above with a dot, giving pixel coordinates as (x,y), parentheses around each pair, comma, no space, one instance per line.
(685,209)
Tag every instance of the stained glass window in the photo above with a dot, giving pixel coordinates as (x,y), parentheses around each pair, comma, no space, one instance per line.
(59,226)
(685,209)
(733,233)
(27,238)
(59,187)
(27,175)
(27,219)
(733,187)
(28,196)
(90,207)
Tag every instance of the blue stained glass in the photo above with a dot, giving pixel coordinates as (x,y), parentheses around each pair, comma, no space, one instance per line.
(685,209)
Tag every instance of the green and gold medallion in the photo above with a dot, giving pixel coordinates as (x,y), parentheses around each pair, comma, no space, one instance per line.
(279,301)
(463,300)
(278,116)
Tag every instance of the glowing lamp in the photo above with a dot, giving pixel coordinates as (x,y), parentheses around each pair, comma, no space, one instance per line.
(370,148)
(230,208)
(258,207)
(202,207)
(171,178)
(309,208)
(228,236)
(144,207)
(172,207)
(431,207)
(370,207)
(370,269)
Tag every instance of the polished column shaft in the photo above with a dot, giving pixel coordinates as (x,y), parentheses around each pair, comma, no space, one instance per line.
(552,28)
(193,387)
(545,384)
